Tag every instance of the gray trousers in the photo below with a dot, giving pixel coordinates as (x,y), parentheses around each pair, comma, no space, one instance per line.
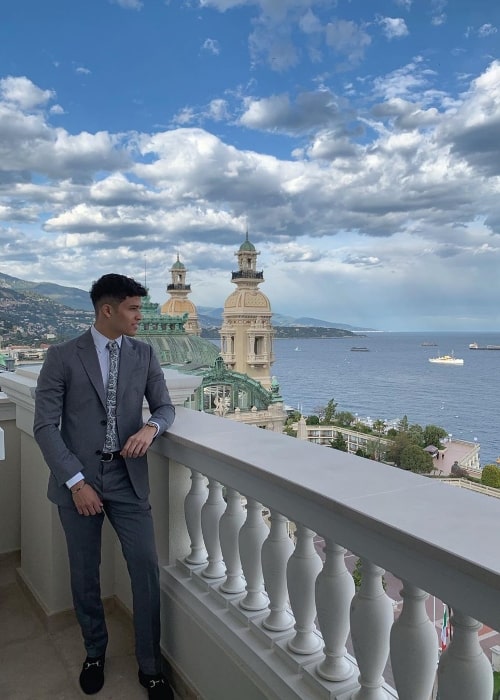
(132,521)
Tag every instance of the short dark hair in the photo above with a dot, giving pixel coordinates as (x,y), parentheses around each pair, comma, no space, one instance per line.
(115,287)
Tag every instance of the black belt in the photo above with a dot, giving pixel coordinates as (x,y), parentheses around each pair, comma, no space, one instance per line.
(110,456)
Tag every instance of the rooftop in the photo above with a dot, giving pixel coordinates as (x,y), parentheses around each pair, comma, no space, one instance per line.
(43,662)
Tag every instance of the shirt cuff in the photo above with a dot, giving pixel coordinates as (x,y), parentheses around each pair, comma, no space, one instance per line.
(74,480)
(157,426)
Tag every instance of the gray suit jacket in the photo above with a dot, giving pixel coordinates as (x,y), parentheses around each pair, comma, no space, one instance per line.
(70,410)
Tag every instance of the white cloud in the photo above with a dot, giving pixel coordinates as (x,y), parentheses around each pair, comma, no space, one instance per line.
(20,91)
(406,4)
(486,30)
(393,27)
(82,70)
(211,46)
(277,113)
(309,23)
(348,39)
(377,198)
(128,4)
(218,110)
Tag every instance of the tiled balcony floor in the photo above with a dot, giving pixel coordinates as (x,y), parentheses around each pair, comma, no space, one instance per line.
(36,664)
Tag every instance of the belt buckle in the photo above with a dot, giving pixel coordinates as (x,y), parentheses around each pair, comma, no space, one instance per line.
(107,456)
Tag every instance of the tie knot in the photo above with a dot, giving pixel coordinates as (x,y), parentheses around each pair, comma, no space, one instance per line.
(112,345)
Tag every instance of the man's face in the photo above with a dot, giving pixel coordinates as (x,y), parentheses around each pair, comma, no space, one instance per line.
(123,318)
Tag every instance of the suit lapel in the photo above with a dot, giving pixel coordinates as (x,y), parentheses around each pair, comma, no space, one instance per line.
(128,360)
(90,362)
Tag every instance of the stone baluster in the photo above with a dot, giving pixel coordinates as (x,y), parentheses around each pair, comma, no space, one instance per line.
(414,647)
(371,620)
(229,529)
(334,592)
(276,552)
(192,512)
(211,513)
(464,671)
(303,567)
(252,535)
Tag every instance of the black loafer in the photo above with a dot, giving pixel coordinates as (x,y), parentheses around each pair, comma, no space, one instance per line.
(92,675)
(157,686)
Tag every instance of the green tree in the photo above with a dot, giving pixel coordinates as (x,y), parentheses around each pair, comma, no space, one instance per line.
(400,442)
(415,459)
(433,435)
(339,442)
(293,417)
(312,420)
(329,412)
(490,476)
(379,426)
(403,425)
(344,418)
(416,434)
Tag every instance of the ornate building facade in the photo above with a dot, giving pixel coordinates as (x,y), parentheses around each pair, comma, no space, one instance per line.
(247,333)
(179,304)
(236,385)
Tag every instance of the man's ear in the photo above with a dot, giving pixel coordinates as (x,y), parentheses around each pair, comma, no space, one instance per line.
(106,310)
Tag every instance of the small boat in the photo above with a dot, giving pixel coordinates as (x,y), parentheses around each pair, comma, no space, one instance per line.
(446,360)
(357,349)
(475,346)
(428,344)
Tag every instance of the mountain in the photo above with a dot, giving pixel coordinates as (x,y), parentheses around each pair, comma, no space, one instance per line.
(33,301)
(210,317)
(72,297)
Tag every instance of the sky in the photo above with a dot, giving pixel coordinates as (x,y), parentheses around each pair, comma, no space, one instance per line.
(357,141)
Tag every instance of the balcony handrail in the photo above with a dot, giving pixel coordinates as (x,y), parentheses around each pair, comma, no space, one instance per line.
(419,529)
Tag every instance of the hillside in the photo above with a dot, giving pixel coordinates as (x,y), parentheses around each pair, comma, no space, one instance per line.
(30,310)
(29,317)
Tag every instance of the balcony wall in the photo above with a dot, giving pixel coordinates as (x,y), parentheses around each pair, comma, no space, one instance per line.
(226,575)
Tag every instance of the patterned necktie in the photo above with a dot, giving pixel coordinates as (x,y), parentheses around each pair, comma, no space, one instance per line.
(111,441)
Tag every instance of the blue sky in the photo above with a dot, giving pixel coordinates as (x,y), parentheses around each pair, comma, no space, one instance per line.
(358,142)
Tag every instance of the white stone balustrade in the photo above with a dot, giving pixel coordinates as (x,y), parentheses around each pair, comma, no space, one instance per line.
(371,621)
(252,536)
(414,636)
(303,568)
(334,593)
(193,504)
(464,671)
(230,526)
(276,551)
(242,644)
(211,513)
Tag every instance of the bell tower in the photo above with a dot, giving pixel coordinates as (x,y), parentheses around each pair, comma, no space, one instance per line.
(247,333)
(179,304)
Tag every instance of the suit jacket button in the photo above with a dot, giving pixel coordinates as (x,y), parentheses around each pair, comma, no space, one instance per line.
(103,422)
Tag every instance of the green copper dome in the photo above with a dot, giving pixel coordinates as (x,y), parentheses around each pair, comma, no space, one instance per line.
(178,265)
(247,246)
(171,343)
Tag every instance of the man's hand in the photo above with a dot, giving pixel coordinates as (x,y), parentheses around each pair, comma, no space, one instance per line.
(87,501)
(137,444)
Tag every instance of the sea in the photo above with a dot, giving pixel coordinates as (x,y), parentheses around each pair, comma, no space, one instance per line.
(394,378)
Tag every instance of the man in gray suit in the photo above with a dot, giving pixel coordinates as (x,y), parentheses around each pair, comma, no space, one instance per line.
(89,426)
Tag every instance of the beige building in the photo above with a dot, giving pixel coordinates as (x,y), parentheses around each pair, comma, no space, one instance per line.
(247,333)
(179,304)
(242,391)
